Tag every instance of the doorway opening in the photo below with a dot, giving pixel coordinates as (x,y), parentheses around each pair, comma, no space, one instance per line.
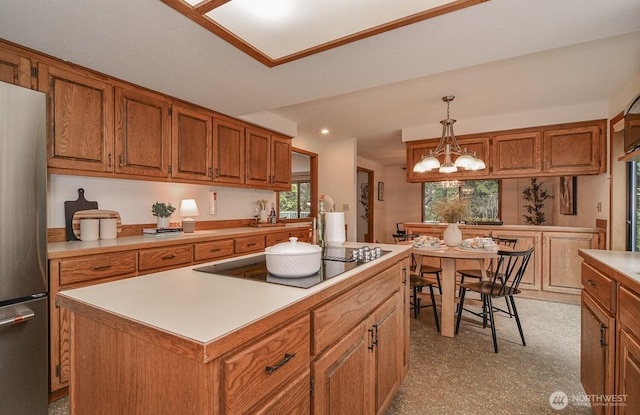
(365,205)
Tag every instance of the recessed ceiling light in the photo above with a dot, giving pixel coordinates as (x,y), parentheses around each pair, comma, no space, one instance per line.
(324,131)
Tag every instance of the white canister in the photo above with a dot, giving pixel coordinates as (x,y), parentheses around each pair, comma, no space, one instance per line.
(108,228)
(89,229)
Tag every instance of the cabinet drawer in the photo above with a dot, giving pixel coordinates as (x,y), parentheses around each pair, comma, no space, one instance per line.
(601,287)
(336,317)
(302,235)
(249,244)
(213,250)
(97,266)
(164,257)
(276,238)
(262,368)
(630,310)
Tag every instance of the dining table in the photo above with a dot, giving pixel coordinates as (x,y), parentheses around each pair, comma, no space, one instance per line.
(448,256)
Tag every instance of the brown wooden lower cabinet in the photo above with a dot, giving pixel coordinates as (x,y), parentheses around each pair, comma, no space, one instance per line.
(119,366)
(610,339)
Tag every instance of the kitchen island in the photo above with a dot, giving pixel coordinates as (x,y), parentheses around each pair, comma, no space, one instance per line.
(610,330)
(182,341)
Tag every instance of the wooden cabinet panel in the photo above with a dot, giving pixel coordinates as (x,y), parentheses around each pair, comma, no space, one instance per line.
(276,238)
(257,371)
(597,351)
(527,239)
(142,133)
(599,286)
(258,157)
(15,69)
(280,163)
(516,154)
(80,116)
(94,267)
(228,151)
(332,319)
(388,349)
(342,376)
(213,250)
(294,398)
(577,149)
(191,143)
(249,244)
(161,258)
(629,376)
(561,264)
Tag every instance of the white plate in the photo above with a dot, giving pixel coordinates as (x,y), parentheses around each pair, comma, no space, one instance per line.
(431,248)
(464,248)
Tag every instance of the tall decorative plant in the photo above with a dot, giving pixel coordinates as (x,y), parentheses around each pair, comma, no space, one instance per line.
(535,195)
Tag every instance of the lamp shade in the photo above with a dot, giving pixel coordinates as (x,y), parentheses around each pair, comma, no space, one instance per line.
(188,207)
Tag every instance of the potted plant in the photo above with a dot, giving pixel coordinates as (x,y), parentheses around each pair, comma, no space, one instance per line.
(451,209)
(536,197)
(162,211)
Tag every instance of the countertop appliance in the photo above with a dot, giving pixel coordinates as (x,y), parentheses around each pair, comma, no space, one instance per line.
(23,247)
(335,261)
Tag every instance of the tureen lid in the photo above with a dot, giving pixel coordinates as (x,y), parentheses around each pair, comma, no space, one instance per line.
(293,247)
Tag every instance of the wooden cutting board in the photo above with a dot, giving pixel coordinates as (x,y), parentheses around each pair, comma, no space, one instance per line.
(71,207)
(93,214)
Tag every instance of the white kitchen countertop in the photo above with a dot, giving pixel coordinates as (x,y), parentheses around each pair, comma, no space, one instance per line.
(202,306)
(62,249)
(625,264)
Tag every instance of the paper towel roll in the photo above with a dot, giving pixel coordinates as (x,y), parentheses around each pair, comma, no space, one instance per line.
(334,228)
(89,229)
(108,228)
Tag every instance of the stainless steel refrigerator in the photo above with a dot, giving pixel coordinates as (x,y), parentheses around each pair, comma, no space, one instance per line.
(23,252)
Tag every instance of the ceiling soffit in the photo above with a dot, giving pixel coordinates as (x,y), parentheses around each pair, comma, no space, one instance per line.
(201,12)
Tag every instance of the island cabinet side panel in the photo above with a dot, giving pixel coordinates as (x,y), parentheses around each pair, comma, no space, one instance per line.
(113,372)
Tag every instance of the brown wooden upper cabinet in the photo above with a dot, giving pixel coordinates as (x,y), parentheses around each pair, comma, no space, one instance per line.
(575,149)
(556,150)
(80,117)
(478,144)
(516,154)
(228,151)
(15,69)
(268,160)
(142,133)
(192,140)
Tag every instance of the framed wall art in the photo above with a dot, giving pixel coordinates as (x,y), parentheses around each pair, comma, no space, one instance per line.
(381,191)
(568,195)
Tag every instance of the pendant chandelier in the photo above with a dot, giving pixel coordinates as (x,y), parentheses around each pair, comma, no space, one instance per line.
(447,146)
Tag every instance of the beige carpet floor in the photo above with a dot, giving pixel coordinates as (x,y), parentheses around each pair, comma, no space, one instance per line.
(463,375)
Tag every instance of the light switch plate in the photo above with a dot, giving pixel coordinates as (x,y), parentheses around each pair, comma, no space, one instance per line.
(345,207)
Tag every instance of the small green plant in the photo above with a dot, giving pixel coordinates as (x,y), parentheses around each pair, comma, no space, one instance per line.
(451,209)
(163,210)
(536,197)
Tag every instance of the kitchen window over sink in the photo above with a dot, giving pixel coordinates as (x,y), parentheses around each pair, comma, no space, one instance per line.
(483,197)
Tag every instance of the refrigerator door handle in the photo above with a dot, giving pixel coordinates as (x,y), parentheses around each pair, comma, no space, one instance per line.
(23,316)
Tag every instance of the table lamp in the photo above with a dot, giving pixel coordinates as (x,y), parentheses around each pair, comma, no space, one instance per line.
(188,208)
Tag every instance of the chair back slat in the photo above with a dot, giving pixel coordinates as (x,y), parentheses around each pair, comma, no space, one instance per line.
(510,269)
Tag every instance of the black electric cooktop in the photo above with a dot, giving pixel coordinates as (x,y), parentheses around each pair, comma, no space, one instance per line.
(335,261)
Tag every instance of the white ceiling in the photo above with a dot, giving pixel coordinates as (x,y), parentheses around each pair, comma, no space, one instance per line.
(498,57)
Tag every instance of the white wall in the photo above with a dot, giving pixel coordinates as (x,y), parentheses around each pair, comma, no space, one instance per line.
(133,198)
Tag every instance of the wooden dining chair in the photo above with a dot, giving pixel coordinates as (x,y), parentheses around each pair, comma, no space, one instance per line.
(417,284)
(506,277)
(476,273)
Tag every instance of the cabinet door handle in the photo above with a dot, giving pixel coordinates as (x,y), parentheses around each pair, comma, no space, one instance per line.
(168,257)
(214,250)
(591,283)
(603,341)
(210,172)
(251,244)
(109,159)
(404,275)
(287,357)
(372,341)
(120,161)
(101,267)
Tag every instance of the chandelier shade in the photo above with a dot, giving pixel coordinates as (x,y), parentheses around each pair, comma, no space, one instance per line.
(447,147)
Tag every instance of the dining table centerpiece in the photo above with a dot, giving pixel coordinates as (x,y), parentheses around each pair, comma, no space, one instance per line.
(451,210)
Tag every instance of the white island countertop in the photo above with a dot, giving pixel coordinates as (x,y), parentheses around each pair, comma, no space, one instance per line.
(204,307)
(624,266)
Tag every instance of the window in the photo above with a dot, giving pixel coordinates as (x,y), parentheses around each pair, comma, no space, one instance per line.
(296,203)
(483,197)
